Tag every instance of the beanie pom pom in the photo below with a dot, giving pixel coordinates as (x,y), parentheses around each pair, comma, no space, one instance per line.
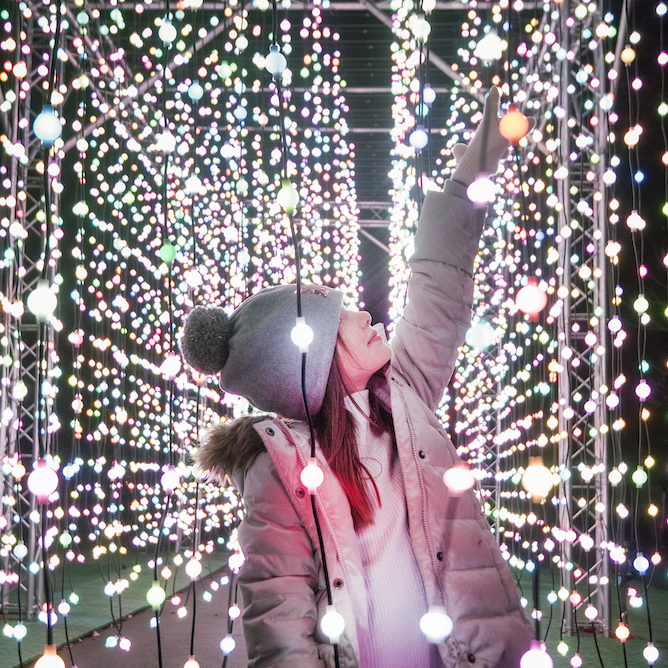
(204,341)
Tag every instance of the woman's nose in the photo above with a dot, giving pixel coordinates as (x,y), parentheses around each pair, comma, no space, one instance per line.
(365,318)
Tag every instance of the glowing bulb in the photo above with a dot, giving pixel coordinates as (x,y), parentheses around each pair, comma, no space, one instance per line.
(191,663)
(193,184)
(639,476)
(481,335)
(234,612)
(428,95)
(156,595)
(641,563)
(195,91)
(288,197)
(332,624)
(458,479)
(312,475)
(489,48)
(275,62)
(628,55)
(622,632)
(301,335)
(482,190)
(591,613)
(643,390)
(193,569)
(20,391)
(42,301)
(420,27)
(64,608)
(167,32)
(125,644)
(635,222)
(650,653)
(20,550)
(418,139)
(19,631)
(227,645)
(537,479)
(536,657)
(514,125)
(165,142)
(170,479)
(43,481)
(47,126)
(562,648)
(428,6)
(236,561)
(531,299)
(436,624)
(50,658)
(576,661)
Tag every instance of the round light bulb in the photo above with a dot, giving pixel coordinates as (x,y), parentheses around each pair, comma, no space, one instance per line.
(591,612)
(156,595)
(227,645)
(20,391)
(167,32)
(19,631)
(641,563)
(42,301)
(50,658)
(482,190)
(531,299)
(419,138)
(301,335)
(650,653)
(195,91)
(514,125)
(428,95)
(170,479)
(288,197)
(193,569)
(43,481)
(489,48)
(643,390)
(622,632)
(436,624)
(275,62)
(536,657)
(332,624)
(481,335)
(191,663)
(193,184)
(47,126)
(639,476)
(312,475)
(420,27)
(576,661)
(458,479)
(537,479)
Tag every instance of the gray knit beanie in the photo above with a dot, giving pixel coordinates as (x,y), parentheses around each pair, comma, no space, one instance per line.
(253,350)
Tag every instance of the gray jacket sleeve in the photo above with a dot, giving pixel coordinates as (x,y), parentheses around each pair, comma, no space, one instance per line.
(440,292)
(278,581)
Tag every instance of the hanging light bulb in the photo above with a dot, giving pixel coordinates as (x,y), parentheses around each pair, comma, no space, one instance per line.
(428,6)
(301,335)
(167,32)
(635,221)
(193,185)
(195,91)
(514,125)
(650,653)
(288,197)
(436,624)
(227,644)
(531,299)
(537,479)
(428,95)
(50,658)
(170,479)
(482,190)
(639,476)
(536,657)
(332,624)
(576,660)
(191,663)
(419,138)
(20,550)
(43,481)
(481,335)
(622,632)
(42,301)
(489,48)
(420,27)
(641,563)
(194,569)
(458,479)
(275,62)
(312,475)
(156,595)
(47,126)
(165,142)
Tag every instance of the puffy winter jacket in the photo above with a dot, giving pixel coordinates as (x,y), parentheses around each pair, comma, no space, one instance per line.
(282,581)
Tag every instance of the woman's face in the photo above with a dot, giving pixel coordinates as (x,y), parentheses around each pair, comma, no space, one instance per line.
(361,350)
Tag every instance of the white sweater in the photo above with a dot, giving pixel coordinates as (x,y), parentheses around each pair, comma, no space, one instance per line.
(395,592)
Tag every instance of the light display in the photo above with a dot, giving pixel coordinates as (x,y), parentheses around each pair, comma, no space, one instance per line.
(150,162)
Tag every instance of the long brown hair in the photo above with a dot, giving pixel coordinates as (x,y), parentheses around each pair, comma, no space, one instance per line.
(335,429)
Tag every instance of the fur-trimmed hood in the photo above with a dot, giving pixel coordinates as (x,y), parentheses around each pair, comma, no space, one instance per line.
(229,448)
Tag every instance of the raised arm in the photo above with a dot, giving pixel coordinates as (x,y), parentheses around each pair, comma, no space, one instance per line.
(440,289)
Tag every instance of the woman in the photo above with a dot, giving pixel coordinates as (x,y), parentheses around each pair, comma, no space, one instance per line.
(397,542)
